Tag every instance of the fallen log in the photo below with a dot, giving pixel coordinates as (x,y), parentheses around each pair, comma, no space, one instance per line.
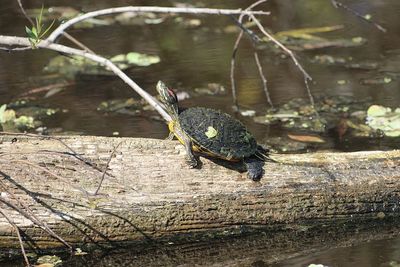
(149,193)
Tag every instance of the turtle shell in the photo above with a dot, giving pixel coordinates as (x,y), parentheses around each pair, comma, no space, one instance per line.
(217,133)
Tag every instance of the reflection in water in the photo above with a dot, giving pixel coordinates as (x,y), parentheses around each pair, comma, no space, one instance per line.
(375,253)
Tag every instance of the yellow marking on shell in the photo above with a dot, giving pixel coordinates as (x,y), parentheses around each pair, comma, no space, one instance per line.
(211,132)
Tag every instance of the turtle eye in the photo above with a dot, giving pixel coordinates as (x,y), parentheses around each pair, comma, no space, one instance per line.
(172,94)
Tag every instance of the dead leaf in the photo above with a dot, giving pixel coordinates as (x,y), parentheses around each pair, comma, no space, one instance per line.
(306,138)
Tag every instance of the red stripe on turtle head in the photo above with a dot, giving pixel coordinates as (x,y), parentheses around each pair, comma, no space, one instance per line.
(172,94)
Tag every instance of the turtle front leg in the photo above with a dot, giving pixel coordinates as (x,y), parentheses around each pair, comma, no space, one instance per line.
(190,158)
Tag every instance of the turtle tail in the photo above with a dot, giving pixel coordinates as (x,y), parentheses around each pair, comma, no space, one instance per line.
(263,154)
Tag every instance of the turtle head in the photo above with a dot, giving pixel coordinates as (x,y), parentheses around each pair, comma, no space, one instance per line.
(168,97)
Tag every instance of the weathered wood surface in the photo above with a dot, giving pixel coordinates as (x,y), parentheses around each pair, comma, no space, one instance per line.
(150,193)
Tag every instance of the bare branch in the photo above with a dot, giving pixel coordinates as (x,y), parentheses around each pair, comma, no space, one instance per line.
(30,215)
(264,80)
(284,48)
(141,9)
(17,230)
(233,59)
(24,12)
(78,43)
(106,167)
(337,4)
(235,48)
(64,180)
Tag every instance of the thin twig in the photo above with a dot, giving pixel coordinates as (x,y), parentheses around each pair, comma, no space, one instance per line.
(30,215)
(254,37)
(76,154)
(51,174)
(17,230)
(337,4)
(46,88)
(143,9)
(106,167)
(233,58)
(73,152)
(284,48)
(264,80)
(24,12)
(232,74)
(307,77)
(78,43)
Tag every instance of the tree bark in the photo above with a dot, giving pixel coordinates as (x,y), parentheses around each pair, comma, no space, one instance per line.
(150,194)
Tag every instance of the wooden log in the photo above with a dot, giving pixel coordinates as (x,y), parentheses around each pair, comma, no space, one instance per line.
(150,194)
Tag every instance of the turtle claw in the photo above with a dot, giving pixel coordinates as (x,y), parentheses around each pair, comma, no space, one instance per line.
(192,162)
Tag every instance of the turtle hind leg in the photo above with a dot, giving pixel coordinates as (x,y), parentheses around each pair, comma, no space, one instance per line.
(254,168)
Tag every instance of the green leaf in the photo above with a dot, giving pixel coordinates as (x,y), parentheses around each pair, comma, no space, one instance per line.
(35,32)
(48,28)
(39,20)
(29,33)
(211,132)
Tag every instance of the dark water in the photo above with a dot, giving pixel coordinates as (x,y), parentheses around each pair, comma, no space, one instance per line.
(193,57)
(370,254)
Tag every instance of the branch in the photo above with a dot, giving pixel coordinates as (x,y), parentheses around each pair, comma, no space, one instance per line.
(284,48)
(338,4)
(20,41)
(142,9)
(18,231)
(263,78)
(306,76)
(235,48)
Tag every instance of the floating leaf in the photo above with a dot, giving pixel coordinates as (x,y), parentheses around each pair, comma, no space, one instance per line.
(376,110)
(387,80)
(211,132)
(142,59)
(24,122)
(80,252)
(2,110)
(70,66)
(248,113)
(8,115)
(306,33)
(49,260)
(382,118)
(377,80)
(53,91)
(357,40)
(306,138)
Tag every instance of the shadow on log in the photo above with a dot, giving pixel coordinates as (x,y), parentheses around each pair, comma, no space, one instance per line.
(149,194)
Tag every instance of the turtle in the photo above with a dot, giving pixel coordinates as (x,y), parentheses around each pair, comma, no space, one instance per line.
(212,133)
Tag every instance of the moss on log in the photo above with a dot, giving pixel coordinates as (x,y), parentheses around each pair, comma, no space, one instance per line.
(150,194)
